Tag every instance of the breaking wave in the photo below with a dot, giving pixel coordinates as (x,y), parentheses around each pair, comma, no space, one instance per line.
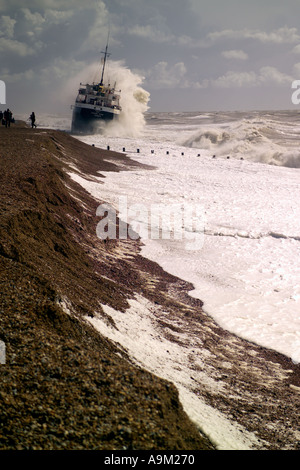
(259,141)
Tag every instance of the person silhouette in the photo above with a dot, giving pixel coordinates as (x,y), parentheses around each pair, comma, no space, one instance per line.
(7,117)
(32,119)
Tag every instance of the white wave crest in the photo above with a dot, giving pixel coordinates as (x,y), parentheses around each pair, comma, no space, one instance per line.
(257,141)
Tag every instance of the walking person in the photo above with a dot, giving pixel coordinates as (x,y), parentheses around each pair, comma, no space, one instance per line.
(32,119)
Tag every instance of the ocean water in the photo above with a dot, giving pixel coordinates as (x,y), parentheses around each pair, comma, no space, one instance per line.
(241,171)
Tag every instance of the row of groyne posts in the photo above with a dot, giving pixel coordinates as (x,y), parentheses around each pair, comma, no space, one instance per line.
(152,151)
(167,152)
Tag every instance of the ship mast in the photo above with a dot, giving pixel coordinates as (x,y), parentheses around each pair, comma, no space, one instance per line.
(106,54)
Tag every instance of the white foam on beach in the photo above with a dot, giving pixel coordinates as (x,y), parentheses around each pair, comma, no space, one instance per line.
(137,332)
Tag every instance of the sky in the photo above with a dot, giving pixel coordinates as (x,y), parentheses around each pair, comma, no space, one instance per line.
(191,55)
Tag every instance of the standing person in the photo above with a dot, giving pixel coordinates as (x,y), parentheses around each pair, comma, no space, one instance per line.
(7,117)
(32,119)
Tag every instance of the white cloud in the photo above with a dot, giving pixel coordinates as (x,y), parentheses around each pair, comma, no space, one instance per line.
(7,25)
(266,76)
(34,23)
(155,35)
(151,33)
(58,16)
(13,47)
(185,40)
(297,70)
(236,80)
(11,78)
(272,75)
(235,54)
(296,49)
(162,35)
(284,35)
(97,31)
(36,19)
(163,76)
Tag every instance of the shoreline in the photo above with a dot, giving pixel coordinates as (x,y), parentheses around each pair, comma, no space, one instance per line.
(254,388)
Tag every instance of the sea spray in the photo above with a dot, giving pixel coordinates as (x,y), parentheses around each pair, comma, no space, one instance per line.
(134,101)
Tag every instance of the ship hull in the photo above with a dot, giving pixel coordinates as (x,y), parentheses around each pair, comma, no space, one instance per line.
(88,121)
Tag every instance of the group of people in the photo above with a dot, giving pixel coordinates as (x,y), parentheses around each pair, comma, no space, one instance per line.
(6,118)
